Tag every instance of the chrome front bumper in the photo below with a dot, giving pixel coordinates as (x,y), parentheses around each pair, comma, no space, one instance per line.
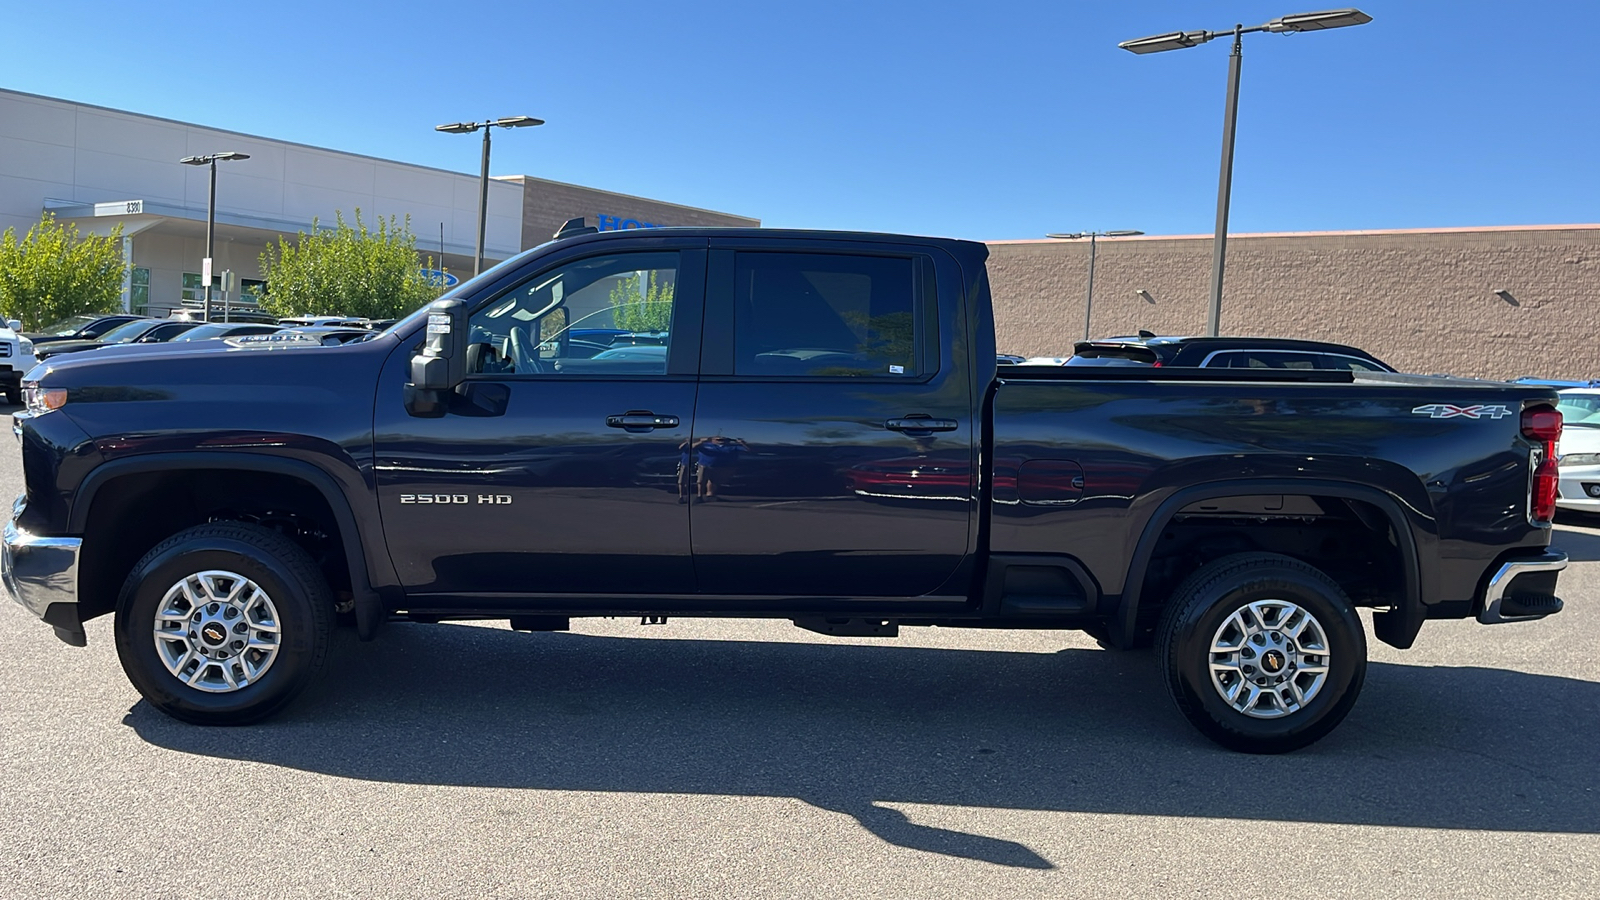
(1500,585)
(41,573)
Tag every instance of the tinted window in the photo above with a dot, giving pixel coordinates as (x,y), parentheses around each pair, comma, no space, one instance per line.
(606,315)
(1265,359)
(128,331)
(818,314)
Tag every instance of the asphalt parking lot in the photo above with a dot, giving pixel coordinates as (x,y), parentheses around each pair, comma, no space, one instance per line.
(752,759)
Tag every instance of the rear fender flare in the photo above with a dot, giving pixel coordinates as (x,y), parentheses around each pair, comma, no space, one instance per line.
(1398,629)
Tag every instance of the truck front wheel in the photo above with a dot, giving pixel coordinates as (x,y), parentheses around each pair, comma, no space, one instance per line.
(223,624)
(1263,653)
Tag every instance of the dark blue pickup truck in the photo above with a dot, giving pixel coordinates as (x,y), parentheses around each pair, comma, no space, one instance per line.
(796,425)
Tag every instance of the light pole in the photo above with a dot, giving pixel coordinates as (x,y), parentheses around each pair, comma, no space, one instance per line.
(210,159)
(1088,303)
(1178,40)
(487,125)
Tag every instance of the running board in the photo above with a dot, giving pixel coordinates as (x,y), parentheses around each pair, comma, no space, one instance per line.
(848,627)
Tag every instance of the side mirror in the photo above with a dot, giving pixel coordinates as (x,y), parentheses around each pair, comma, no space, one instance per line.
(14,324)
(553,334)
(441,364)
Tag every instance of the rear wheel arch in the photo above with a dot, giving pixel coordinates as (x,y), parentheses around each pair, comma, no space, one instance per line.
(1397,627)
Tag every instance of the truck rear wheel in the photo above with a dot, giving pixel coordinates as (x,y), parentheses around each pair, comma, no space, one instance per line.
(223,624)
(1263,653)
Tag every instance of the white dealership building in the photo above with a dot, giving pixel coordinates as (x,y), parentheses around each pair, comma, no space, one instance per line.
(101,168)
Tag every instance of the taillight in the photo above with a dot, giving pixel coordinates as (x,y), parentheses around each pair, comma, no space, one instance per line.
(1543,424)
(1545,476)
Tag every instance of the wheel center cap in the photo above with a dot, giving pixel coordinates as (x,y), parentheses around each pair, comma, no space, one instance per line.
(214,633)
(1272,662)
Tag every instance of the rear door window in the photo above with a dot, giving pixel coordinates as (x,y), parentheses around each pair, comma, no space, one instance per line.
(813,314)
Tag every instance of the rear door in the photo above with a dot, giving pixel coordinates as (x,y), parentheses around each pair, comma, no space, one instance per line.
(833,451)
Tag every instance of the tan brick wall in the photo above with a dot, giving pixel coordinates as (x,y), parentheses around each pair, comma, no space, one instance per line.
(1421,300)
(547,204)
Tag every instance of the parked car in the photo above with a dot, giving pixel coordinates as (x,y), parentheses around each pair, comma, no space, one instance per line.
(225,502)
(141,331)
(1579,450)
(81,328)
(1225,352)
(16,358)
(238,313)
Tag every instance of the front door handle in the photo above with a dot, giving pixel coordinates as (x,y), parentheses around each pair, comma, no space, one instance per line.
(640,421)
(919,424)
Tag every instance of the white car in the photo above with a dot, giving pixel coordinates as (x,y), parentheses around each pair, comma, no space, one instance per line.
(1579,450)
(16,358)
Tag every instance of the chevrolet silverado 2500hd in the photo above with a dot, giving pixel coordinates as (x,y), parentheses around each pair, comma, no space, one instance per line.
(797,425)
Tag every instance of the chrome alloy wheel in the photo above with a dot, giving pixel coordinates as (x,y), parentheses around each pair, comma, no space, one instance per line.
(217,631)
(1269,659)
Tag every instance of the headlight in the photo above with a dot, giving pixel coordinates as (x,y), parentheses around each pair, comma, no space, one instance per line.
(42,399)
(1580,459)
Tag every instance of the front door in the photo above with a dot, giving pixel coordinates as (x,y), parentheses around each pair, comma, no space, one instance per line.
(834,452)
(556,470)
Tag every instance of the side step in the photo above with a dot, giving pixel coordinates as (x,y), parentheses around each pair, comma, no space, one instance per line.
(843,627)
(1530,605)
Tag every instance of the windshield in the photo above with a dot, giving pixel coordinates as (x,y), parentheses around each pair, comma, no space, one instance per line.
(220,329)
(69,325)
(124,333)
(1581,410)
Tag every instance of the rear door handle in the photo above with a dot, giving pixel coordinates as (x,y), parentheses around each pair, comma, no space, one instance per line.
(918,423)
(640,421)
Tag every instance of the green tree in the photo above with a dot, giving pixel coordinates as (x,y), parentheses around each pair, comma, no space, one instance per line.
(347,270)
(53,273)
(642,306)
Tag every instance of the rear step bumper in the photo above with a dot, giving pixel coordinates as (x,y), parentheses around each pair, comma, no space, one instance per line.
(1523,589)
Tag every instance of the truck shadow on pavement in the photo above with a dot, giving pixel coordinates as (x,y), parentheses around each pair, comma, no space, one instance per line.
(851,728)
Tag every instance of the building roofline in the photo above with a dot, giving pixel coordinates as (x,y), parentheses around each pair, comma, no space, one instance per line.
(1370,232)
(701,209)
(243,134)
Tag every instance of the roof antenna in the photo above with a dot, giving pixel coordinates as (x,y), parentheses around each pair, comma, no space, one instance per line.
(573,228)
(1143,335)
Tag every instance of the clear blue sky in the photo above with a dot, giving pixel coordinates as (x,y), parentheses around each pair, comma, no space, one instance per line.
(994,120)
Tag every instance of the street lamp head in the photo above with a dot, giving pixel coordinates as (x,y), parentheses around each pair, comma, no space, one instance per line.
(518,121)
(1127,233)
(457,128)
(207,158)
(1177,40)
(1318,21)
(1083,234)
(1068,237)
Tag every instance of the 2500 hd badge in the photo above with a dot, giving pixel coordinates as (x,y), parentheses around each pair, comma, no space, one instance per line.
(490,499)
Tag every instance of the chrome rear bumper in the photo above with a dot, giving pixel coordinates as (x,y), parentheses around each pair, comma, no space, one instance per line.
(1495,595)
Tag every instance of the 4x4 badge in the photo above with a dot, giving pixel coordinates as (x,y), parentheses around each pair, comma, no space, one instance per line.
(1447,411)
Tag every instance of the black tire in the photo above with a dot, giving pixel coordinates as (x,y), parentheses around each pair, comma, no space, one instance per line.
(1206,600)
(14,396)
(300,594)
